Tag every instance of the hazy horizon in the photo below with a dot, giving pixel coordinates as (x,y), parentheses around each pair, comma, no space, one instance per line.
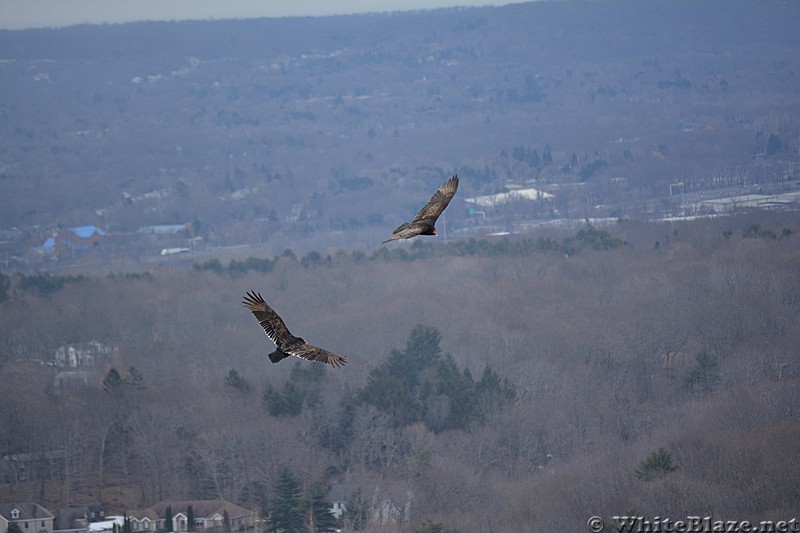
(27,14)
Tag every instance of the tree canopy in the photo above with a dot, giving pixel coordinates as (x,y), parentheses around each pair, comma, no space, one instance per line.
(419,384)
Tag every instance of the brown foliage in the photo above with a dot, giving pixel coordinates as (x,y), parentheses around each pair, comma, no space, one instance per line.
(597,346)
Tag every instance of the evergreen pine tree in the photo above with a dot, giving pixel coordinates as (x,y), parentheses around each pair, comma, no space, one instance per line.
(394,387)
(705,374)
(190,519)
(392,393)
(237,382)
(658,464)
(5,284)
(301,389)
(273,401)
(317,510)
(493,392)
(286,513)
(168,519)
(292,398)
(112,381)
(448,396)
(135,378)
(307,379)
(774,144)
(127,527)
(226,521)
(422,350)
(419,384)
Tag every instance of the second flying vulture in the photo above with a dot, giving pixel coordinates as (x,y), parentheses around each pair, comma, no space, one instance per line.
(424,222)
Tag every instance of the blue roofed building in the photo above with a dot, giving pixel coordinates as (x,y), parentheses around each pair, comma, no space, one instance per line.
(69,242)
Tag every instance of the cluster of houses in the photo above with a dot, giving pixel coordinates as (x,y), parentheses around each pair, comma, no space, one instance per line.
(206,515)
(200,516)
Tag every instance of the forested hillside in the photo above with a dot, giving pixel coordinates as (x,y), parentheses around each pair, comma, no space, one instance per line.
(507,385)
(321,133)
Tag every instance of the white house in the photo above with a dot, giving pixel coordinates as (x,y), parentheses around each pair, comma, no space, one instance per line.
(84,354)
(208,514)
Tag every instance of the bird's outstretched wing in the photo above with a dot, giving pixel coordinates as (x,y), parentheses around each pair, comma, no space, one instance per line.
(278,333)
(312,353)
(273,324)
(436,205)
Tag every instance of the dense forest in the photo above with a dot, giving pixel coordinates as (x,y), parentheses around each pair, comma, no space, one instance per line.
(516,384)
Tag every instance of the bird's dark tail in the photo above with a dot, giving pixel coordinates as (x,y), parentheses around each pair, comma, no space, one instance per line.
(277,356)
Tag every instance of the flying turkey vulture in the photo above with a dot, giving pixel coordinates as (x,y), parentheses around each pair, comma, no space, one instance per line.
(287,344)
(424,222)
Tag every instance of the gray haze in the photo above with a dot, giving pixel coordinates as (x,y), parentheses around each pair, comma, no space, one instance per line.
(18,14)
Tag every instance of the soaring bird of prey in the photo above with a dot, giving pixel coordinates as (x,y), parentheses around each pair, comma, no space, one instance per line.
(424,222)
(286,343)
